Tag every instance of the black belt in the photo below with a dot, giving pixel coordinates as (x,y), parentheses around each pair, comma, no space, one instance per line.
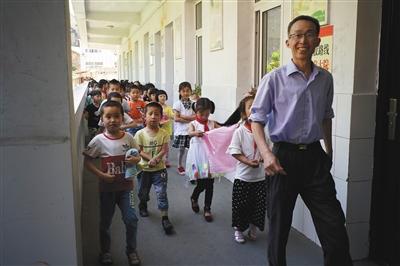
(297,147)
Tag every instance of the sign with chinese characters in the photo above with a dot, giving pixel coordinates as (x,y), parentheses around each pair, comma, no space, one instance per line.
(322,56)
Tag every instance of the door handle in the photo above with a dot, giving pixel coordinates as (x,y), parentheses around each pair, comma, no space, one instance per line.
(392,116)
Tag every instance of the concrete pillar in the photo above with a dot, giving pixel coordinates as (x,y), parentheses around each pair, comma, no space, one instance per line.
(38,220)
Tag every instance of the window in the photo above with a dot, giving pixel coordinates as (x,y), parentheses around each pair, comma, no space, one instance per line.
(271,39)
(199,14)
(199,43)
(199,60)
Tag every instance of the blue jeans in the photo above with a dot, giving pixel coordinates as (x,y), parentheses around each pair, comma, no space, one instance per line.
(159,180)
(125,202)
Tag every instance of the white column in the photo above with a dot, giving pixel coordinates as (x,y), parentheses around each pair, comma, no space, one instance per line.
(38,220)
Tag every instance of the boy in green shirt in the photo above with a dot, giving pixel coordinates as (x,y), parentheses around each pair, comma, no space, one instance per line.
(153,143)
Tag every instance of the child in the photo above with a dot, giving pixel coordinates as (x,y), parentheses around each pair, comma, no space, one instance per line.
(183,115)
(136,105)
(153,143)
(127,121)
(197,164)
(153,94)
(168,116)
(146,88)
(103,86)
(90,113)
(249,187)
(115,86)
(111,147)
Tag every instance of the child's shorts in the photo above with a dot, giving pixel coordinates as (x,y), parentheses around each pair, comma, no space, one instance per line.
(181,141)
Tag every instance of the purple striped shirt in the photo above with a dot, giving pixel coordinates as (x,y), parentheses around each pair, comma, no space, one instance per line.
(292,106)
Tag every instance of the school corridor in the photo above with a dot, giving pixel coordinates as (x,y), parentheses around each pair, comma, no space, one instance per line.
(195,242)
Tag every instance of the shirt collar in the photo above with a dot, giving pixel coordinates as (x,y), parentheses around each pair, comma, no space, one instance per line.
(292,68)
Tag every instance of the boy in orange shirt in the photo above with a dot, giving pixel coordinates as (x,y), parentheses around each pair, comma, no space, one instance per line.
(137,106)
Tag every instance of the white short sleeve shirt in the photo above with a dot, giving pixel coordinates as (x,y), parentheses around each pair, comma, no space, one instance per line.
(179,127)
(243,143)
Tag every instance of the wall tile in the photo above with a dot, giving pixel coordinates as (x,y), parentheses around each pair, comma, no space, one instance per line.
(358,236)
(359,201)
(361,159)
(343,115)
(363,109)
(341,158)
(334,106)
(341,192)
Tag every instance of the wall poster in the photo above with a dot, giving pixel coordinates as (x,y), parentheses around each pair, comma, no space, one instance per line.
(314,8)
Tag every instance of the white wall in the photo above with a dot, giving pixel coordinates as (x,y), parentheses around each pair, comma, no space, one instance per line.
(219,80)
(155,19)
(37,217)
(220,66)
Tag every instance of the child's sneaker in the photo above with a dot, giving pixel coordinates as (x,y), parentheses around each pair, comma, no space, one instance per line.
(181,170)
(133,259)
(105,258)
(239,238)
(167,226)
(252,233)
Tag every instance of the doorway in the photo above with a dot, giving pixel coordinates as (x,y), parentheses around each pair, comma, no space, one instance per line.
(385,206)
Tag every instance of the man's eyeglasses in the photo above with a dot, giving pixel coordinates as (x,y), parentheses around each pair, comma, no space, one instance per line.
(307,35)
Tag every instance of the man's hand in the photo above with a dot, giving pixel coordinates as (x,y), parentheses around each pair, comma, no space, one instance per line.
(272,165)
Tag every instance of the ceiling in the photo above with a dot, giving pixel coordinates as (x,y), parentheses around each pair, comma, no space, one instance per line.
(105,22)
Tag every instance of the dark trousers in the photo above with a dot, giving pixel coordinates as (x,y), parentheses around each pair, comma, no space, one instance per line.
(308,174)
(206,184)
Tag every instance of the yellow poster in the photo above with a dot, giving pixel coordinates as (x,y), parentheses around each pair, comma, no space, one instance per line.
(314,8)
(322,56)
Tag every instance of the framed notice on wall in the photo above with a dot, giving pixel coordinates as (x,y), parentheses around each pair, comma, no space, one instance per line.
(216,25)
(314,8)
(322,56)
